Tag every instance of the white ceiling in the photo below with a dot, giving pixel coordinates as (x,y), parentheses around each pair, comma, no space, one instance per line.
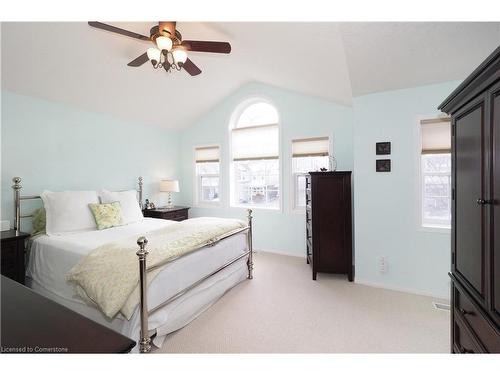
(388,55)
(82,66)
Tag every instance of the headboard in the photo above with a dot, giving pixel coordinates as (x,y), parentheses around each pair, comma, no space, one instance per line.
(18,198)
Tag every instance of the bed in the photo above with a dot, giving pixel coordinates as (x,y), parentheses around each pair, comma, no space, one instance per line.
(184,287)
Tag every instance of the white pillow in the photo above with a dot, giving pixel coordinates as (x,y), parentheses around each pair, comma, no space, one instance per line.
(68,211)
(131,212)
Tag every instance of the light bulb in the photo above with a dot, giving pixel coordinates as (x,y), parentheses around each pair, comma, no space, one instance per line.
(154,55)
(180,55)
(164,43)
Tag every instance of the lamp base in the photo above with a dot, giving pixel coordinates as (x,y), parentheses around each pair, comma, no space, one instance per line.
(169,201)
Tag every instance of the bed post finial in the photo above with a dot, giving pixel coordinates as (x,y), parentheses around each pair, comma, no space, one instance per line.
(140,193)
(249,242)
(145,340)
(17,202)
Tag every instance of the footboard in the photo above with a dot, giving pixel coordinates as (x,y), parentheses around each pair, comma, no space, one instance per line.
(145,339)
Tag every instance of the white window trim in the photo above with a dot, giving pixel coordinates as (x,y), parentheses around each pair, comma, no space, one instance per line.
(421,227)
(299,209)
(232,122)
(293,193)
(197,203)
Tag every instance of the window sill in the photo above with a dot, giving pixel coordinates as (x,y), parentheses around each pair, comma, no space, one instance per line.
(207,205)
(298,211)
(254,208)
(435,229)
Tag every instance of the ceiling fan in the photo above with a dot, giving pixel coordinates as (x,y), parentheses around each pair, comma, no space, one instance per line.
(170,51)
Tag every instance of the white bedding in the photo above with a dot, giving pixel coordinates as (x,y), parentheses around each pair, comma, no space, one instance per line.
(51,258)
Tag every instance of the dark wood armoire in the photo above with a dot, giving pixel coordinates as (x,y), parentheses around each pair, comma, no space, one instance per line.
(475,236)
(329,223)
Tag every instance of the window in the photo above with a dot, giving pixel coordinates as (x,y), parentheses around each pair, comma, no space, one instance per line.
(436,173)
(308,155)
(207,174)
(255,178)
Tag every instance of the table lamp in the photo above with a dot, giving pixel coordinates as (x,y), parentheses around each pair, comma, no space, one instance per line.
(169,186)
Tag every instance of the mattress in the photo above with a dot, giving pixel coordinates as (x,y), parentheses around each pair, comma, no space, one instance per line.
(51,258)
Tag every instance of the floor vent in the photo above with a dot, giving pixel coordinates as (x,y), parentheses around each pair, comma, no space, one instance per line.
(441,306)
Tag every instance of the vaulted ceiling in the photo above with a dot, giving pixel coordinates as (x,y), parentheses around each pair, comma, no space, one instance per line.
(78,65)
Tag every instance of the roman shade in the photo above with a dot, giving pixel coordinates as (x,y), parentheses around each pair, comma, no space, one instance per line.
(310,147)
(436,136)
(207,154)
(255,142)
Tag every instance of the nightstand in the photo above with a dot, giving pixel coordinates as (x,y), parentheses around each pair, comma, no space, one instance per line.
(176,213)
(12,250)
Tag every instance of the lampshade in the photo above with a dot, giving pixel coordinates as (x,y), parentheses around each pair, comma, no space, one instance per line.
(179,54)
(164,42)
(154,54)
(169,186)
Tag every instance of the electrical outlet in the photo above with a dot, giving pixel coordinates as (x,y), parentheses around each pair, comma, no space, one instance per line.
(382,264)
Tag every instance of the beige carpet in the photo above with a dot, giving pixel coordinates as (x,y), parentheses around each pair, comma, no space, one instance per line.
(283,311)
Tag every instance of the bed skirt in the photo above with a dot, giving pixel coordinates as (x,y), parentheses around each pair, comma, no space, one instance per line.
(168,319)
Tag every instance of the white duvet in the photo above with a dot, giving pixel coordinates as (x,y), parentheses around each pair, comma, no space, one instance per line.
(52,257)
(109,274)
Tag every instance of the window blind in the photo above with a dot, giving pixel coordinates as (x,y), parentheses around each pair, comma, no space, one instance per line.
(255,143)
(310,147)
(436,136)
(207,154)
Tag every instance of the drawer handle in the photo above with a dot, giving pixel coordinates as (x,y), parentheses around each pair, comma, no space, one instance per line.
(482,202)
(465,312)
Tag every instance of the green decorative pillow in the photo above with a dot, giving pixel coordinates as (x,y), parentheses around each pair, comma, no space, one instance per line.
(38,221)
(107,215)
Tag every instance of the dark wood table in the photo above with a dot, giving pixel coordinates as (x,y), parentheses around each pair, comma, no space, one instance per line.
(12,254)
(32,323)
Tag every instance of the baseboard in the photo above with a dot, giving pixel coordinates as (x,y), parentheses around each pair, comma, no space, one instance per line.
(365,282)
(399,289)
(280,252)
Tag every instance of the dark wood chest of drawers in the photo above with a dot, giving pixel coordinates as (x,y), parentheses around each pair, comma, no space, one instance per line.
(32,323)
(176,213)
(475,226)
(12,254)
(329,223)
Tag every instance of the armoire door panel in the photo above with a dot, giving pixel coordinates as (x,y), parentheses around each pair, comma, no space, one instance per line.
(495,248)
(469,185)
(474,107)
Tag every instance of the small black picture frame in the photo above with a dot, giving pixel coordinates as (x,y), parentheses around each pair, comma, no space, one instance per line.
(383,148)
(383,165)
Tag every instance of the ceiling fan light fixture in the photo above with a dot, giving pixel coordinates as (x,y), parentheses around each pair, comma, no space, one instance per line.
(154,55)
(171,53)
(164,43)
(179,54)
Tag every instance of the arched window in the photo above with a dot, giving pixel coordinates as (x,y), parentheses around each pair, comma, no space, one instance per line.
(255,143)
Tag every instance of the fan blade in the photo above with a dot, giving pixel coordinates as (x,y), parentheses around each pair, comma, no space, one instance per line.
(191,68)
(140,60)
(167,25)
(117,30)
(203,46)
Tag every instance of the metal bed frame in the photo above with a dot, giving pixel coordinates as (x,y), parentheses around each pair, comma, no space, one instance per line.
(145,339)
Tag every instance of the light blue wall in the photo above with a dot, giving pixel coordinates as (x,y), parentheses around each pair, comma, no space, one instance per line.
(54,146)
(57,147)
(386,208)
(300,116)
